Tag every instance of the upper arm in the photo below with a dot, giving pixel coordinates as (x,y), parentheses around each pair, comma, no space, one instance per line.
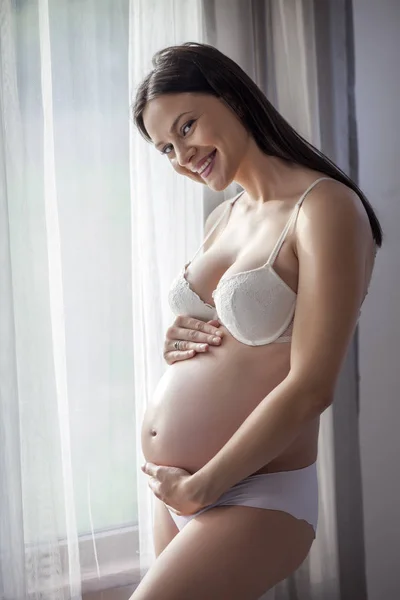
(210,222)
(333,242)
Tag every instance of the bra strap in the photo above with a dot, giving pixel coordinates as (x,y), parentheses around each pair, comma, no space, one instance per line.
(283,235)
(292,219)
(218,221)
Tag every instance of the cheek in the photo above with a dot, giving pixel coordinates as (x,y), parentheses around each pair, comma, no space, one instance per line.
(176,166)
(182,171)
(236,139)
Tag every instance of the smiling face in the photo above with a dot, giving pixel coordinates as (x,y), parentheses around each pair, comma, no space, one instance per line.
(200,135)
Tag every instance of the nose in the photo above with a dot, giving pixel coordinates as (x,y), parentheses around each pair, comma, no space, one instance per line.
(185,156)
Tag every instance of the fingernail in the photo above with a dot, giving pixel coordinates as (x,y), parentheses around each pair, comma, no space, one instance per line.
(217,340)
(219,333)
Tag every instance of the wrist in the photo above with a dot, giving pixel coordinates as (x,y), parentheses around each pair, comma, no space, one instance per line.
(203,488)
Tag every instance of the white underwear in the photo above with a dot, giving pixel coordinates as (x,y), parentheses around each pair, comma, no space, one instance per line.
(293,492)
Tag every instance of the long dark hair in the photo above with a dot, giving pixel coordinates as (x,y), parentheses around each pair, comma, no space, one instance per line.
(194,67)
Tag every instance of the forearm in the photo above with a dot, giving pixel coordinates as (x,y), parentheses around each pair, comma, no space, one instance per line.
(265,434)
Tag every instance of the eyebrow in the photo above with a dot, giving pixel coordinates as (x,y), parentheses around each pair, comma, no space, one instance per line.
(174,125)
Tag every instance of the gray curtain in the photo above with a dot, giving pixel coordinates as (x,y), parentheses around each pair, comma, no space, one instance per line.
(300,53)
(335,61)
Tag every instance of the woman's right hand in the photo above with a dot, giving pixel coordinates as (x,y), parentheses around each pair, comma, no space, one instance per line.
(188,336)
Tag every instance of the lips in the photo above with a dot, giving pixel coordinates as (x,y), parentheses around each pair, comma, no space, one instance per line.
(208,166)
(203,160)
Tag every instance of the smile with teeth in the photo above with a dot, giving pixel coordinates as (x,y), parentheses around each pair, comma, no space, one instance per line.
(206,163)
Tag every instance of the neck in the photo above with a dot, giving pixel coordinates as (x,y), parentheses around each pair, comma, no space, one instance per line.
(264,177)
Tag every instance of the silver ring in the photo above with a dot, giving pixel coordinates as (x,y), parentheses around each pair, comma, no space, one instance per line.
(176,345)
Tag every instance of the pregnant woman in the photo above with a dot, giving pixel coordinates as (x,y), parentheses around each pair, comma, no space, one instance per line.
(264,317)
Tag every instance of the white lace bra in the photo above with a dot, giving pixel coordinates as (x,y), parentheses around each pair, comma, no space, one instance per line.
(256,306)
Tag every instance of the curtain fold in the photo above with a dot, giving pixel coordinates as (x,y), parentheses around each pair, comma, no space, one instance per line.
(31,556)
(167,218)
(11,530)
(334,38)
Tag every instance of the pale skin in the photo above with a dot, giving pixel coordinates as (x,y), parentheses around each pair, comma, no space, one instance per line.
(239,552)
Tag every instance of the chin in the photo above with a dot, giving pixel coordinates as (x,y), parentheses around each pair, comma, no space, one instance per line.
(221,185)
(215,187)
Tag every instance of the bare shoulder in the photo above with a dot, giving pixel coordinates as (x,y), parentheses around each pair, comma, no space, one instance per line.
(211,220)
(335,213)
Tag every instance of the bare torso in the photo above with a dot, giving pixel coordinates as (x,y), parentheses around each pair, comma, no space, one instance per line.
(200,403)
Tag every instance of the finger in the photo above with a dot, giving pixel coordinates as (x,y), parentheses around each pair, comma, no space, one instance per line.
(187,346)
(175,356)
(197,325)
(150,469)
(193,335)
(214,323)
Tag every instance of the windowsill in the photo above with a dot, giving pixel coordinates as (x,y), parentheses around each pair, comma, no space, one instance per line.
(120,593)
(118,559)
(117,556)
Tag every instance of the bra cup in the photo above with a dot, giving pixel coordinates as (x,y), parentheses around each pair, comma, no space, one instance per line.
(256,307)
(184,301)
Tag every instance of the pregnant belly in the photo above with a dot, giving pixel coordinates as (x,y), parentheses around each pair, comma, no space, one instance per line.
(199,403)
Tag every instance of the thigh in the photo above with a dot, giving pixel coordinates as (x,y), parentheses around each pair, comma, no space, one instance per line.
(228,553)
(164,528)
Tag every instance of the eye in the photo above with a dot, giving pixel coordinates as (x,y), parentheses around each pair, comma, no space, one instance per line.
(167,149)
(184,130)
(187,125)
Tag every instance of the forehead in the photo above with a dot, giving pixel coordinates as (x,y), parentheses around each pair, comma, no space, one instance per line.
(160,112)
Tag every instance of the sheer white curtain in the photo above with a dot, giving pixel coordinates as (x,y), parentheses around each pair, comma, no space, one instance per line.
(93,225)
(167,223)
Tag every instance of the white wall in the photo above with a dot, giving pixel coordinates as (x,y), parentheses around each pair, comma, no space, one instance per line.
(377,70)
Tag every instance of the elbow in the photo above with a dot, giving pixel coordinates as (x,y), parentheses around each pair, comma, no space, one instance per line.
(316,396)
(316,402)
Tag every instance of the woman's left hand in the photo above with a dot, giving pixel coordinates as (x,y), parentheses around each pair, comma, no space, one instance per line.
(175,488)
